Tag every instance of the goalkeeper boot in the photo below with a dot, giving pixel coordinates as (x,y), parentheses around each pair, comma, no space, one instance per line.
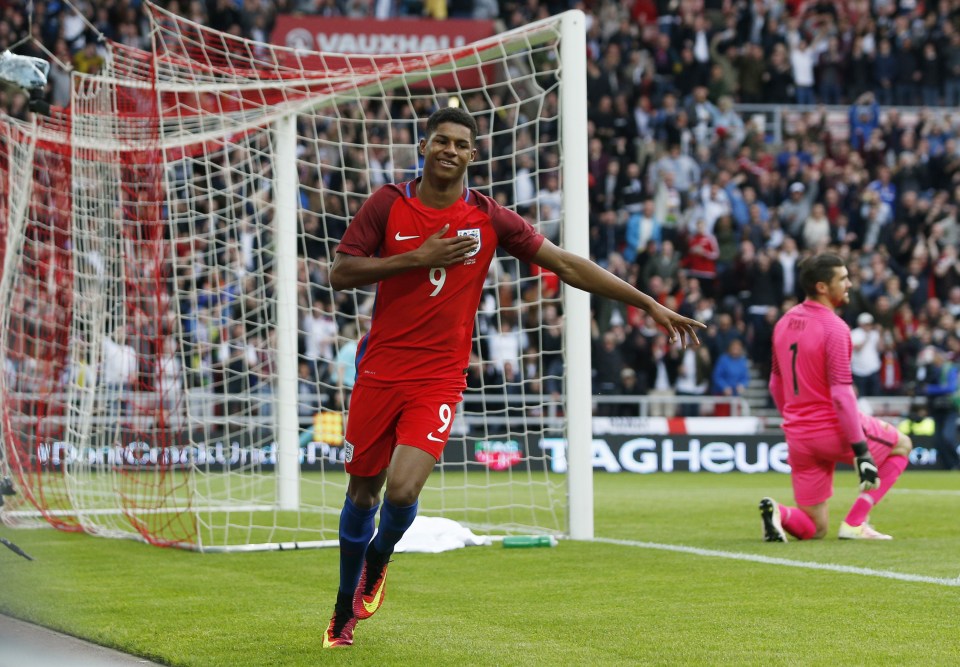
(862,532)
(340,630)
(772,526)
(373,584)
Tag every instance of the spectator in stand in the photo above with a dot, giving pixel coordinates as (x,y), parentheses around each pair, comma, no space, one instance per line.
(343,374)
(608,364)
(169,381)
(663,376)
(875,215)
(665,59)
(642,227)
(59,78)
(794,211)
(703,114)
(319,336)
(816,229)
(729,128)
(907,75)
(931,81)
(765,277)
(727,246)
(951,69)
(885,72)
(700,260)
(751,67)
(629,386)
(665,264)
(685,170)
(505,344)
(946,273)
(761,341)
(829,72)
(789,256)
(551,350)
(865,361)
(802,61)
(713,203)
(88,60)
(668,207)
(119,372)
(308,398)
(731,375)
(864,118)
(858,75)
(940,384)
(778,78)
(693,379)
(720,333)
(884,186)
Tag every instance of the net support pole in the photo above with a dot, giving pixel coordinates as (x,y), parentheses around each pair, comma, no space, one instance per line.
(285,261)
(576,303)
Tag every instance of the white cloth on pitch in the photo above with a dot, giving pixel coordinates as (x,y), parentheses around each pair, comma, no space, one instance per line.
(431,534)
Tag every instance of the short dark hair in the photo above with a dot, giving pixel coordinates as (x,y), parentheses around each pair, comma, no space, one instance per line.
(452,115)
(818,269)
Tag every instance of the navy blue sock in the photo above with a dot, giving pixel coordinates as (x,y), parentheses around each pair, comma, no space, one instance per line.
(356,530)
(394,522)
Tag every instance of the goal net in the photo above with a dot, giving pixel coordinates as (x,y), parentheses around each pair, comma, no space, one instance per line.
(176,366)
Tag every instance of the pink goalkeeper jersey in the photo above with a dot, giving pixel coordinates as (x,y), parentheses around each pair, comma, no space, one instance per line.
(422,323)
(811,353)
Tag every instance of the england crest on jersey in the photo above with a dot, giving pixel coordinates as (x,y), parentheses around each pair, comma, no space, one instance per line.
(475,233)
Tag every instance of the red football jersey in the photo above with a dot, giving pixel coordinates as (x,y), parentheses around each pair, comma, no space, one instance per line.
(423,319)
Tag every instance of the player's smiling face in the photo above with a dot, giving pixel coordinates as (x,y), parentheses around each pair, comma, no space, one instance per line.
(448,151)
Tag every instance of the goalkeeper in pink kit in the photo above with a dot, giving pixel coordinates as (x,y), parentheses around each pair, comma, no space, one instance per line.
(427,244)
(812,386)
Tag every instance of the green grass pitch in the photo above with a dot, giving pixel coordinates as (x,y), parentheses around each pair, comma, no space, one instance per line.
(630,598)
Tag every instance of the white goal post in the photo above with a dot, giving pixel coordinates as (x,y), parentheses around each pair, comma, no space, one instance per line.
(176,367)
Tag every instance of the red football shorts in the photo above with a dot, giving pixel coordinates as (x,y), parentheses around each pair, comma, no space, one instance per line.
(382,417)
(812,462)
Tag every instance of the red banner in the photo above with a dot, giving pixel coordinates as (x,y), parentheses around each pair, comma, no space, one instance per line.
(372,37)
(385,46)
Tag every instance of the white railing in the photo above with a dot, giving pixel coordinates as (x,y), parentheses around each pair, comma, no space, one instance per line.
(780,119)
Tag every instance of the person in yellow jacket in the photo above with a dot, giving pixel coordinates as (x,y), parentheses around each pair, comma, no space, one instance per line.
(918,422)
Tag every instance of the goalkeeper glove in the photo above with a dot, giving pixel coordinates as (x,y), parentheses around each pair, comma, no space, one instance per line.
(866,467)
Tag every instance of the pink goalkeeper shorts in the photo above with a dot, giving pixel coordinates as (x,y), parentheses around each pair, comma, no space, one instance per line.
(812,462)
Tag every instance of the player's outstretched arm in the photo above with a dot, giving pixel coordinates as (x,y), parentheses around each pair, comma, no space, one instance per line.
(349,271)
(584,274)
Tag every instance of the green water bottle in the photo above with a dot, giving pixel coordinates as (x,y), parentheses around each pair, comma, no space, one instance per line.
(524,541)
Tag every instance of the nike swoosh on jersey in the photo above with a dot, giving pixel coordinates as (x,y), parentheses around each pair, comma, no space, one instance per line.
(430,437)
(405,238)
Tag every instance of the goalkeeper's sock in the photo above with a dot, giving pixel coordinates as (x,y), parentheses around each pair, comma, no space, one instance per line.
(356,530)
(889,473)
(860,510)
(394,522)
(796,522)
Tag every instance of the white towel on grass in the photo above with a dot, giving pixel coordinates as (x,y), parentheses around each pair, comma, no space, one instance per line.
(431,534)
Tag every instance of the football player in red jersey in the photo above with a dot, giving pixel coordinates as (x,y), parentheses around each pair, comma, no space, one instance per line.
(428,244)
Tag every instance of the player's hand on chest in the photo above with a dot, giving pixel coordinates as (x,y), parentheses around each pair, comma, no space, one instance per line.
(440,238)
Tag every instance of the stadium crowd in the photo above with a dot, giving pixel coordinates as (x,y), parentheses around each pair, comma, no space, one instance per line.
(691,199)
